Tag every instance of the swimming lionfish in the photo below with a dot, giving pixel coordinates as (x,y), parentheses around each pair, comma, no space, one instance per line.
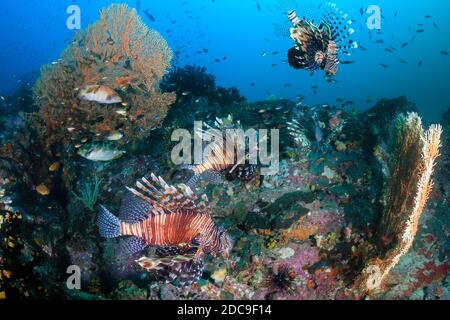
(314,134)
(222,157)
(317,47)
(175,221)
(302,135)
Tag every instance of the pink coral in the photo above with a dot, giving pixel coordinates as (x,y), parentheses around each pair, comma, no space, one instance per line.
(335,120)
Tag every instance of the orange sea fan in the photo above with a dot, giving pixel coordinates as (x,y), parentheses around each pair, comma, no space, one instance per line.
(119,52)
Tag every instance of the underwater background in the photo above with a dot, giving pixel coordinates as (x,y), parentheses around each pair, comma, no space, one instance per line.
(36,33)
(92,205)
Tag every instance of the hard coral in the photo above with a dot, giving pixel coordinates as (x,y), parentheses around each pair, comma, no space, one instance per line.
(118,52)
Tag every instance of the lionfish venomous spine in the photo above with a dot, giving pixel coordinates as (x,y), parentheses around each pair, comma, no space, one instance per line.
(174,220)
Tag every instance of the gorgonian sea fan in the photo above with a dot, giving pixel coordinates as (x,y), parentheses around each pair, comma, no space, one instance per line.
(119,52)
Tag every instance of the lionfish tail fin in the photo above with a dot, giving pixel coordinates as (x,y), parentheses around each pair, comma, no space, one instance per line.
(108,224)
(183,270)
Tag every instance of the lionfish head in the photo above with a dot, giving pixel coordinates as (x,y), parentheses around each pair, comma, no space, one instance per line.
(319,57)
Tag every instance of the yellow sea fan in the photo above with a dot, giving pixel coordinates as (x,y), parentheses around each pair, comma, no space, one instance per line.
(405,214)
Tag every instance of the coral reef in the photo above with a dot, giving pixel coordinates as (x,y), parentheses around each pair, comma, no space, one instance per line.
(315,230)
(118,53)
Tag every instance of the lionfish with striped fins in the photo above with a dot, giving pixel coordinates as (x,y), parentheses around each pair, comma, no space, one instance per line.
(221,157)
(318,46)
(174,221)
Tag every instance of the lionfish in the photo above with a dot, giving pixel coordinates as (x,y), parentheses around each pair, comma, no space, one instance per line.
(222,157)
(313,134)
(171,219)
(317,46)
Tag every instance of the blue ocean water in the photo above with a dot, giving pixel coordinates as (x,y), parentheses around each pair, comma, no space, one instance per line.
(35,33)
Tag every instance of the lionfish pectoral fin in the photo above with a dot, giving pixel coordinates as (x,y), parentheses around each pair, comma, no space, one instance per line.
(133,208)
(181,270)
(189,273)
(173,251)
(150,264)
(132,245)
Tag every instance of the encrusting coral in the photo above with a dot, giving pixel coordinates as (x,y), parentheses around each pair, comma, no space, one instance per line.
(413,155)
(117,54)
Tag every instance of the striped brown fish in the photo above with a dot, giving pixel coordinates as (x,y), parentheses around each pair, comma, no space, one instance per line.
(317,46)
(172,219)
(222,157)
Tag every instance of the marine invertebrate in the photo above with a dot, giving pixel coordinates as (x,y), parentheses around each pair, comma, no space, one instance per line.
(413,155)
(171,218)
(115,60)
(281,278)
(90,193)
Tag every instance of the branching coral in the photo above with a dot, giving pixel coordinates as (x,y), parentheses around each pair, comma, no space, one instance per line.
(414,152)
(117,52)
